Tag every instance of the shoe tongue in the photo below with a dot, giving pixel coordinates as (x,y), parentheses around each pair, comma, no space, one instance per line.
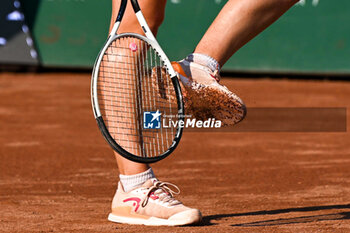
(149,183)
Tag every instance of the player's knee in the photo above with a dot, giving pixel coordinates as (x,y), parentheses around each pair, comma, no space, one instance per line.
(291,1)
(155,21)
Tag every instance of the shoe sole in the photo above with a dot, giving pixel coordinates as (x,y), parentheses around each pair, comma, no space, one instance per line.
(201,101)
(183,218)
(215,101)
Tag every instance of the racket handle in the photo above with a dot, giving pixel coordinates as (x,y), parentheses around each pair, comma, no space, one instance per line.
(135,5)
(122,8)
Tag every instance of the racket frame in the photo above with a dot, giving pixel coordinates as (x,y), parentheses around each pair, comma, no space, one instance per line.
(151,40)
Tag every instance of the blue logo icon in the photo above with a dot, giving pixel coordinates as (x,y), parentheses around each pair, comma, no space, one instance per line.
(151,120)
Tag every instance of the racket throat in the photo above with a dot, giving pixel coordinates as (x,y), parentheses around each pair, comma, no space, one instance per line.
(144,26)
(114,29)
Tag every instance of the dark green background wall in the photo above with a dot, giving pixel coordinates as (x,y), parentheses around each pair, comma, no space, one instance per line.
(313,37)
(68,33)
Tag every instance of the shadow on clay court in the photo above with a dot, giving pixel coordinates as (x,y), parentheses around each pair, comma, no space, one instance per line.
(207,220)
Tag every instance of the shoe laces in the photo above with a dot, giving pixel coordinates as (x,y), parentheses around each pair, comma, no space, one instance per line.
(164,192)
(216,75)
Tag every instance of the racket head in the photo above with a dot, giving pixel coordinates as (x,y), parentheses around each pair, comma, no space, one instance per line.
(131,82)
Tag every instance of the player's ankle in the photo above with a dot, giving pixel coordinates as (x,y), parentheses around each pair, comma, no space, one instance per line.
(130,182)
(200,68)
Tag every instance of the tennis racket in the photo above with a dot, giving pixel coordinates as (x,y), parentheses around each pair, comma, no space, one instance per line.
(134,89)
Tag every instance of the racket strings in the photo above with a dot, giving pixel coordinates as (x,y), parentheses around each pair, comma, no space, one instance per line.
(133,80)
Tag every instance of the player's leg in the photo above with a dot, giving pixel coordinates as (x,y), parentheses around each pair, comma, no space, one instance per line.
(154,14)
(152,10)
(140,197)
(237,23)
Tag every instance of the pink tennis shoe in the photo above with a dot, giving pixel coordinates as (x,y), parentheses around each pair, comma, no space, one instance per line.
(152,204)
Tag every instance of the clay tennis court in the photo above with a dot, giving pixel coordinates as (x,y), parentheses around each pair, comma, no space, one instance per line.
(57,174)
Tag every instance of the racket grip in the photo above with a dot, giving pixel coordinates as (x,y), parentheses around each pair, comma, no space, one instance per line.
(135,5)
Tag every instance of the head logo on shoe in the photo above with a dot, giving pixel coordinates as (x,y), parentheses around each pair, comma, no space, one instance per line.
(153,196)
(136,203)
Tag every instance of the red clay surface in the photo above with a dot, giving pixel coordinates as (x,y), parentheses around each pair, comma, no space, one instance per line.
(57,174)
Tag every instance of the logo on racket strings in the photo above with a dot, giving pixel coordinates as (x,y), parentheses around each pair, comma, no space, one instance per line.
(151,120)
(133,47)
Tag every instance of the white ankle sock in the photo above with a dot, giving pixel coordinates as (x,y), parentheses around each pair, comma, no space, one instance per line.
(204,60)
(130,182)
